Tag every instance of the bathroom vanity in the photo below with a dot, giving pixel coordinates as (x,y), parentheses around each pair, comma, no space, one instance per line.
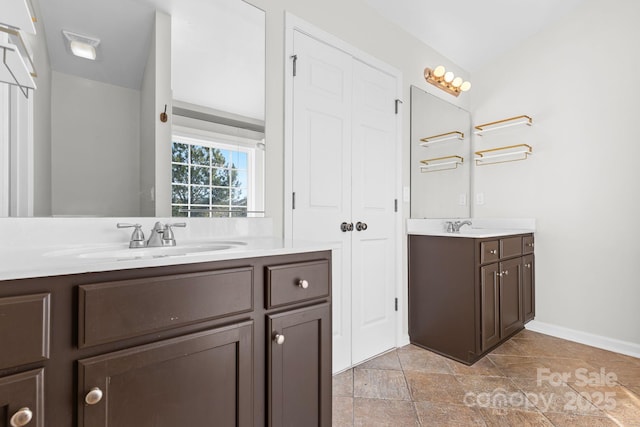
(238,341)
(469,292)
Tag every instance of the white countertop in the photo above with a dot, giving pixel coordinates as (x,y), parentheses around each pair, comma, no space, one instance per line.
(479,229)
(40,247)
(72,259)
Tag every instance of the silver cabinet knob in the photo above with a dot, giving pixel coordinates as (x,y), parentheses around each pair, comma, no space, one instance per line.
(493,251)
(94,396)
(528,265)
(499,274)
(21,418)
(279,339)
(304,284)
(506,272)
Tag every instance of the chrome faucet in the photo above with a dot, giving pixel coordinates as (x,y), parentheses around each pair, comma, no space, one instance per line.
(454,227)
(162,234)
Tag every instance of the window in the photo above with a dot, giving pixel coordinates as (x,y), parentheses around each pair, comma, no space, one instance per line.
(210,178)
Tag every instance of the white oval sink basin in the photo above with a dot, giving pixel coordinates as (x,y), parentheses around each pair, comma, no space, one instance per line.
(123,252)
(160,252)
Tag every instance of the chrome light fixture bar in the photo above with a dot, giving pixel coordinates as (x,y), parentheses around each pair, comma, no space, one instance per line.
(446,80)
(427,141)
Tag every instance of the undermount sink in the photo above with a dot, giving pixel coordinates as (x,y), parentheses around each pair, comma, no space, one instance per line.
(120,252)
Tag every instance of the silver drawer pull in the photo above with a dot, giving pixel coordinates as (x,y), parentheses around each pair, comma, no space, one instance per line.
(493,251)
(21,418)
(279,339)
(94,396)
(528,265)
(506,272)
(304,284)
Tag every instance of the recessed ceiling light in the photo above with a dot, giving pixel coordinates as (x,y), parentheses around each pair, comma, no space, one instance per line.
(82,46)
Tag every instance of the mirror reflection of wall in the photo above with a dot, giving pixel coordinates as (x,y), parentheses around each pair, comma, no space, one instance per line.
(440,157)
(99,148)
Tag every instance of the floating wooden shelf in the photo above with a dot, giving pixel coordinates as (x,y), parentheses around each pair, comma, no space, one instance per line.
(427,141)
(500,124)
(510,153)
(440,164)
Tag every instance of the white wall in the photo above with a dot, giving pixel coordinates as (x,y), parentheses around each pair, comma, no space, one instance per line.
(578,80)
(86,148)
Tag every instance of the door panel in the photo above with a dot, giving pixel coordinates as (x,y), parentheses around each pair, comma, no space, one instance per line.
(373,193)
(490,303)
(299,395)
(511,318)
(22,392)
(206,376)
(528,288)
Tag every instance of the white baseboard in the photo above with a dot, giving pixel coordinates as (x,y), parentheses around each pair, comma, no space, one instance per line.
(599,341)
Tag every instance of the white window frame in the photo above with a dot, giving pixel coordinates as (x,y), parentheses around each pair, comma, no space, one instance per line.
(223,142)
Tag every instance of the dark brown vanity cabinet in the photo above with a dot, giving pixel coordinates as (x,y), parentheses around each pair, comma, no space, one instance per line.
(467,295)
(182,345)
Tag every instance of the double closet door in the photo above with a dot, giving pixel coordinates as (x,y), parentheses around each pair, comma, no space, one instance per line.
(344,152)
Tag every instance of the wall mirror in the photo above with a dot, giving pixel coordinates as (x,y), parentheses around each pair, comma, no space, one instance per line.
(111,155)
(440,157)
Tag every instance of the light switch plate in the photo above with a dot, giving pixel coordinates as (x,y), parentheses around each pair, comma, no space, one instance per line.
(479,198)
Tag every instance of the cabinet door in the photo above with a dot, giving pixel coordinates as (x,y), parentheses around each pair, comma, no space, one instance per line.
(511,318)
(202,379)
(299,353)
(22,399)
(490,306)
(528,288)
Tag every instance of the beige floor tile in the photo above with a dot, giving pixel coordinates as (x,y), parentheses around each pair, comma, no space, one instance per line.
(430,387)
(566,420)
(547,347)
(342,415)
(386,361)
(445,415)
(572,367)
(493,392)
(514,418)
(517,366)
(626,373)
(634,388)
(509,348)
(552,396)
(343,384)
(483,366)
(391,413)
(617,402)
(380,384)
(414,358)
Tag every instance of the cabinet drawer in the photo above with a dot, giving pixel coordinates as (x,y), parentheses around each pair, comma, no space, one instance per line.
(489,251)
(510,246)
(284,282)
(527,245)
(24,329)
(112,311)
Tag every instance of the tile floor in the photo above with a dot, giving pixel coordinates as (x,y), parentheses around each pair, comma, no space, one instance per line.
(531,380)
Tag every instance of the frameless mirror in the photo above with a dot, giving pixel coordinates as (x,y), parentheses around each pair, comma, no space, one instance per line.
(440,157)
(200,61)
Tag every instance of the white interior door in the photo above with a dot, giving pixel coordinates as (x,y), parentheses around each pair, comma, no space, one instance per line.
(373,204)
(343,155)
(321,156)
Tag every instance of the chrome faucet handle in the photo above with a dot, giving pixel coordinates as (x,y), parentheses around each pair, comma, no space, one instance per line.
(450,227)
(137,237)
(168,239)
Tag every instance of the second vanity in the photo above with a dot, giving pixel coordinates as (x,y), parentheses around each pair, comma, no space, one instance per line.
(237,338)
(469,291)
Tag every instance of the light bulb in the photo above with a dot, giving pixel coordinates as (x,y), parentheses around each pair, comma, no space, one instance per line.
(465,86)
(448,76)
(439,71)
(456,82)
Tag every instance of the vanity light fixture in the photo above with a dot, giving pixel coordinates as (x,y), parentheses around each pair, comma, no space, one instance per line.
(82,46)
(446,80)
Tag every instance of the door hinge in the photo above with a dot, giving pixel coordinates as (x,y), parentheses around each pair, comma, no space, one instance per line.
(395,205)
(295,63)
(396,304)
(293,200)
(397,106)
